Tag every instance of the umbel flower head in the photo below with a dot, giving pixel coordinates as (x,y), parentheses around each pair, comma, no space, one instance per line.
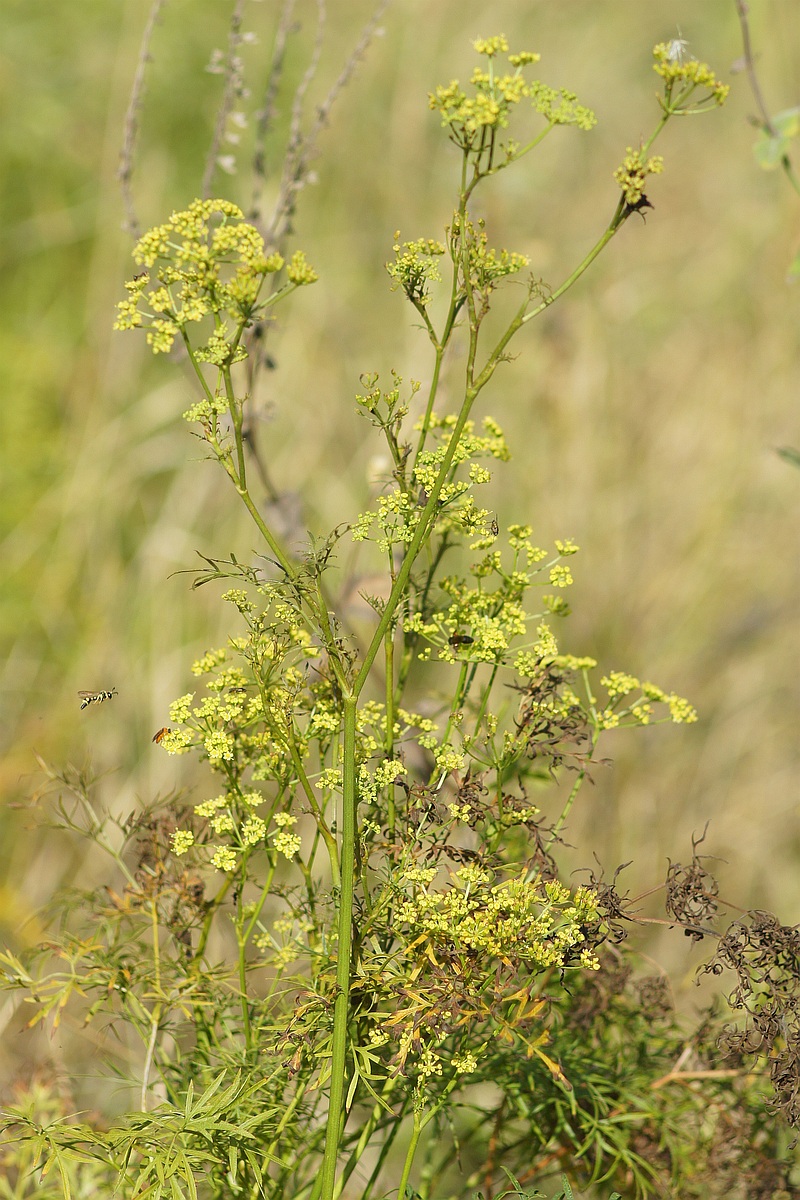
(204,261)
(684,78)
(632,174)
(496,91)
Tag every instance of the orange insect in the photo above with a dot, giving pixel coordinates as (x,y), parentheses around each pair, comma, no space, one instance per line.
(162,733)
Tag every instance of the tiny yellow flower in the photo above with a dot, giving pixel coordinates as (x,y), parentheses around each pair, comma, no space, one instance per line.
(182,840)
(224,859)
(285,843)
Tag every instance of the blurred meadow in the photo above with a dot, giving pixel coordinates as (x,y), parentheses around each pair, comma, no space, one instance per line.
(643,411)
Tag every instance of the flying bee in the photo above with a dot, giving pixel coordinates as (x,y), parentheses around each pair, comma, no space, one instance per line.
(461,639)
(162,733)
(88,698)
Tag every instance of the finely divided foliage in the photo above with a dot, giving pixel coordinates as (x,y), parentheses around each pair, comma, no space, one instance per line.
(331,957)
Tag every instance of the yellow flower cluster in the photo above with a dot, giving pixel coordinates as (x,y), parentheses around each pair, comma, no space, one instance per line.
(204,261)
(415,267)
(573,662)
(209,662)
(560,107)
(619,685)
(299,272)
(372,783)
(632,174)
(560,576)
(182,840)
(495,94)
(692,74)
(513,920)
(546,645)
(488,265)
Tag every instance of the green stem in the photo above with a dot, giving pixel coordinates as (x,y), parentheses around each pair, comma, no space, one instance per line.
(614,226)
(412,1149)
(341,1010)
(209,919)
(383,1154)
(319,817)
(265,892)
(458,700)
(242,947)
(365,1135)
(209,395)
(156,947)
(426,420)
(526,149)
(155,1018)
(287,1113)
(576,274)
(409,641)
(280,556)
(236,411)
(389,738)
(659,127)
(441,345)
(485,698)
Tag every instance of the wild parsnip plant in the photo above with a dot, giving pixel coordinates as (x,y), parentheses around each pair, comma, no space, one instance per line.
(352,969)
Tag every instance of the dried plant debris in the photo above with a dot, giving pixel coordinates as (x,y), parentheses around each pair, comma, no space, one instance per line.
(765,958)
(692,895)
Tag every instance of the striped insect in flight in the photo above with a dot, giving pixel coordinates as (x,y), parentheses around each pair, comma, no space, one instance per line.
(88,698)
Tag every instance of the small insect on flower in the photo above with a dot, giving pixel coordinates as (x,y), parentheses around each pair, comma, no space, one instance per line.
(88,698)
(676,49)
(638,207)
(162,733)
(461,639)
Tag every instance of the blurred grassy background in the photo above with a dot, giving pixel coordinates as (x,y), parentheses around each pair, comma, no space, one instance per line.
(644,410)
